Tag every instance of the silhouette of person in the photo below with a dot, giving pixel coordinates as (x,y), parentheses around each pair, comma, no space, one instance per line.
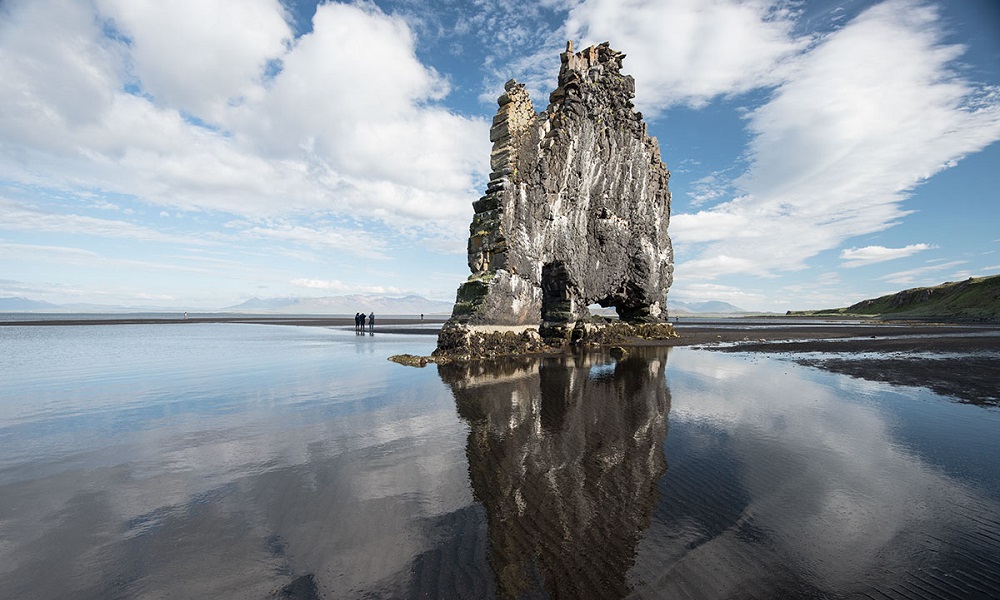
(357,321)
(362,322)
(371,322)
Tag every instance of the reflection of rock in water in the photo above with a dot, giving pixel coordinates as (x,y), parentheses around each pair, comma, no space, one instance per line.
(565,454)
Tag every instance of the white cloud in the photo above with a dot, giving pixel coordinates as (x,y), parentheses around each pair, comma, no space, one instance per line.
(920,274)
(679,51)
(335,285)
(320,284)
(105,205)
(349,125)
(15,217)
(861,119)
(352,241)
(61,254)
(198,55)
(366,121)
(58,72)
(710,225)
(690,51)
(857,257)
(709,188)
(86,259)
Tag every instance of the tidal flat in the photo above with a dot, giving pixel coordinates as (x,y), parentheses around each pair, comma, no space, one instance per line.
(249,460)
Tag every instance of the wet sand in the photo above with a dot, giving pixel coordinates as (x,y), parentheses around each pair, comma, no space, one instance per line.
(962,361)
(959,360)
(219,460)
(428,325)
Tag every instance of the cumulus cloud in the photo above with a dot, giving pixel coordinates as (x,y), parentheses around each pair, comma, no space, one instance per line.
(59,73)
(857,257)
(862,118)
(198,55)
(690,51)
(211,106)
(680,51)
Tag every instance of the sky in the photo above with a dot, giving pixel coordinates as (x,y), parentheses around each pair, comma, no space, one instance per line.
(196,153)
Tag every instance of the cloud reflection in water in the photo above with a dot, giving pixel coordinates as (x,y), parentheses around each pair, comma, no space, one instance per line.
(790,480)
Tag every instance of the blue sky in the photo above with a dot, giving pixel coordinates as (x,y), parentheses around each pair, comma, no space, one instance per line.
(197,153)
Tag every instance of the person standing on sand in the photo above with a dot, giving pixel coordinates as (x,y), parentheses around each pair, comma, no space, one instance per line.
(371,322)
(357,321)
(362,322)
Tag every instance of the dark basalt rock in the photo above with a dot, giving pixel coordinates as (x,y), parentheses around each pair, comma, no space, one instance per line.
(575,213)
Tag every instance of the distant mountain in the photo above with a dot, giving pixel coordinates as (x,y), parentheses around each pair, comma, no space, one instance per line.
(675,308)
(264,304)
(710,306)
(339,305)
(976,298)
(346,305)
(20,304)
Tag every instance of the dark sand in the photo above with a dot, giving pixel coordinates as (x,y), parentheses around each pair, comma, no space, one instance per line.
(427,326)
(962,361)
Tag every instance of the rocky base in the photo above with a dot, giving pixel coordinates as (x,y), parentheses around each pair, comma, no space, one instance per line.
(458,343)
(603,333)
(466,342)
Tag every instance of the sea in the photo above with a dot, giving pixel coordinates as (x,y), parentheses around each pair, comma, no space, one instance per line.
(234,460)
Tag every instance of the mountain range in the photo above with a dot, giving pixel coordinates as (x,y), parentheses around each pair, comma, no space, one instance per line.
(342,305)
(345,305)
(675,307)
(25,304)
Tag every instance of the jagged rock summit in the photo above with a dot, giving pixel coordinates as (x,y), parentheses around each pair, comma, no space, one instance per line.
(575,213)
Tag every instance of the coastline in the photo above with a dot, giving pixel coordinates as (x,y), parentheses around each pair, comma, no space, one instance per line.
(391,324)
(962,362)
(957,360)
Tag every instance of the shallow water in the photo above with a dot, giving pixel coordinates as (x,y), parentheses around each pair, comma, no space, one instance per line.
(234,460)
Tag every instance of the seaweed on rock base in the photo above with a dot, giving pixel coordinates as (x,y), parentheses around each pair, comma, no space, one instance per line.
(461,343)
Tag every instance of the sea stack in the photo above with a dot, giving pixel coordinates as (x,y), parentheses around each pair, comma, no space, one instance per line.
(575,213)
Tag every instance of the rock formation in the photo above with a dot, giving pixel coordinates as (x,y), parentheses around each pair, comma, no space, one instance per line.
(575,213)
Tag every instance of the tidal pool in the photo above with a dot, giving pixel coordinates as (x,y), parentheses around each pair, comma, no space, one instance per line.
(256,461)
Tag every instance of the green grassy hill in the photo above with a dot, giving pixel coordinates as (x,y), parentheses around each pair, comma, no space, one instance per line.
(976,298)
